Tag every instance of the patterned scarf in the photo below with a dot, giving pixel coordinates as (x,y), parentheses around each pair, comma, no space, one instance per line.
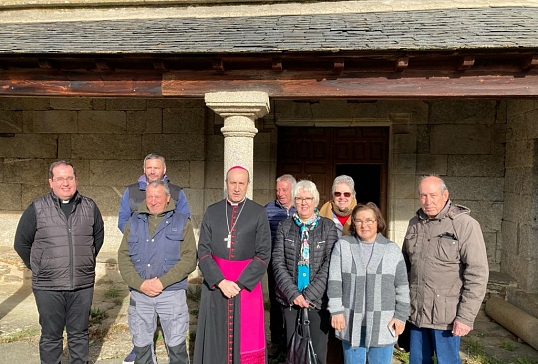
(303,266)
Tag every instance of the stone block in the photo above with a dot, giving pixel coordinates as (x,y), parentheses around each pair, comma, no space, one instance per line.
(8,226)
(263,176)
(29,146)
(403,186)
(264,152)
(24,103)
(185,146)
(522,126)
(460,139)
(215,147)
(27,171)
(524,269)
(488,214)
(64,146)
(107,198)
(106,146)
(475,188)
(263,196)
(184,120)
(517,207)
(145,121)
(521,180)
(490,239)
(528,240)
(197,174)
(126,104)
(527,301)
(31,192)
(400,212)
(11,121)
(10,195)
(178,172)
(404,164)
(195,197)
(213,195)
(463,111)
(214,175)
(51,121)
(71,103)
(175,103)
(404,143)
(432,164)
(114,172)
(104,122)
(99,104)
(520,106)
(476,165)
(82,167)
(423,139)
(509,238)
(521,154)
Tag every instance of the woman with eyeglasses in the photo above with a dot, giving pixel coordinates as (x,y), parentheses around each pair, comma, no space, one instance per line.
(368,289)
(342,203)
(301,254)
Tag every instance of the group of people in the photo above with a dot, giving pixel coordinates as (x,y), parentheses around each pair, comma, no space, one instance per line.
(359,287)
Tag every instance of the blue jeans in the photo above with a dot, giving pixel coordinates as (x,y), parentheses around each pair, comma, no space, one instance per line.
(375,355)
(426,342)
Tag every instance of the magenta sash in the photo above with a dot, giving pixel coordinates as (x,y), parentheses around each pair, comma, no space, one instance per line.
(252,327)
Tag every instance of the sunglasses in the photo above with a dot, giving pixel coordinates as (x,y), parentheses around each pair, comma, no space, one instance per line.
(346,194)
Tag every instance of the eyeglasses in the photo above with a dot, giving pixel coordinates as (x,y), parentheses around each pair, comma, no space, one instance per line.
(62,179)
(365,222)
(346,194)
(308,200)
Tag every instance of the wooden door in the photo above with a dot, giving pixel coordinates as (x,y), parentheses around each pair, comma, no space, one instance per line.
(321,154)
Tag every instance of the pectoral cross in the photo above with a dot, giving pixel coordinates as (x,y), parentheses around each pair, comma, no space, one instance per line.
(228,240)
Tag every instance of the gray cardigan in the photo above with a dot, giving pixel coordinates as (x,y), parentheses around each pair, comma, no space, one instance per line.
(383,289)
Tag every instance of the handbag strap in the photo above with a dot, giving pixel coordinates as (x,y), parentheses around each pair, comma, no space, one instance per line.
(304,323)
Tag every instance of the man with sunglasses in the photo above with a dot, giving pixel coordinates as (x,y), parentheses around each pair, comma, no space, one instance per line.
(58,237)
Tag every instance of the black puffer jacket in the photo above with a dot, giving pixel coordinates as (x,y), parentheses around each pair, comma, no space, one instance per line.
(286,254)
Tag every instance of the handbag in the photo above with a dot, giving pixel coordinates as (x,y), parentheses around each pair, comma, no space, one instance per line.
(301,350)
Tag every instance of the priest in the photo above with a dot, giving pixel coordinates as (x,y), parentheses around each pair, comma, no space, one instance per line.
(234,251)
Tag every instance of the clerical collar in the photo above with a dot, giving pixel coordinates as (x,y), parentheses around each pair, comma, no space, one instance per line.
(66,201)
(235,203)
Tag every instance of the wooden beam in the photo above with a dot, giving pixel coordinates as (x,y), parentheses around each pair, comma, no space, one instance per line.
(277,64)
(218,65)
(401,64)
(290,84)
(104,65)
(466,63)
(338,65)
(530,63)
(160,66)
(45,64)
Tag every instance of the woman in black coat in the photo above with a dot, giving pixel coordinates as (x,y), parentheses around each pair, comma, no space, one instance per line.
(301,255)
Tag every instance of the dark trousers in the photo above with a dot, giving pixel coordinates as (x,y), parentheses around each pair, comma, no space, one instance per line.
(319,328)
(276,323)
(59,309)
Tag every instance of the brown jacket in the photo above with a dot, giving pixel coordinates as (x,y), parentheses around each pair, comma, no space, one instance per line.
(448,268)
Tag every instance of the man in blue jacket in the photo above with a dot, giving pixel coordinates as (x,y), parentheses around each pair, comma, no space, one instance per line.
(279,209)
(156,255)
(154,170)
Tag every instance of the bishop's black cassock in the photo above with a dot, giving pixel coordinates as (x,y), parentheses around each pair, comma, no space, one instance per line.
(235,243)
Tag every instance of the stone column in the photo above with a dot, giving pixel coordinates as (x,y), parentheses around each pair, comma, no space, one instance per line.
(240,110)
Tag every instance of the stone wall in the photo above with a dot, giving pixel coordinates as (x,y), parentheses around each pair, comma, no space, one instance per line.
(520,218)
(107,139)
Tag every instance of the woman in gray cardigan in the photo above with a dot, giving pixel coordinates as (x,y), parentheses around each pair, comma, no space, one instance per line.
(368,289)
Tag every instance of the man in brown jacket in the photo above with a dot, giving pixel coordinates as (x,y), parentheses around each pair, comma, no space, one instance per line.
(448,273)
